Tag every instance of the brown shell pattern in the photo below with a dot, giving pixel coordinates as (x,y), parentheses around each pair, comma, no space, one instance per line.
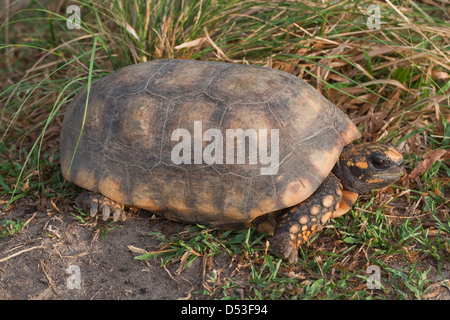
(125,146)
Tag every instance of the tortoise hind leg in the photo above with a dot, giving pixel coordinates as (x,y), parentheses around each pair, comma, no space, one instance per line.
(295,225)
(95,202)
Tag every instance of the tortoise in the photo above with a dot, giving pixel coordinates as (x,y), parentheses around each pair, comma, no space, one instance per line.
(137,143)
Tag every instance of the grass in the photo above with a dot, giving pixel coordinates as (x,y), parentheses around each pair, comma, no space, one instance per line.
(9,227)
(393,82)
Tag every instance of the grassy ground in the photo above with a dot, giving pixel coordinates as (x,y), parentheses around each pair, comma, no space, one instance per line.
(390,75)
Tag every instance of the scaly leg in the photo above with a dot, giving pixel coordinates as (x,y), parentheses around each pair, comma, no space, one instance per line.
(296,225)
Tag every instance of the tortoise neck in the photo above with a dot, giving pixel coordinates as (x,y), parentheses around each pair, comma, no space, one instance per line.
(342,170)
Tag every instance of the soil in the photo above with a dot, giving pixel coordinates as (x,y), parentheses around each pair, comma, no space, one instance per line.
(57,257)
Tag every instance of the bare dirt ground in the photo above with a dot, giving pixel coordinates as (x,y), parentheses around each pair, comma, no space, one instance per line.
(54,249)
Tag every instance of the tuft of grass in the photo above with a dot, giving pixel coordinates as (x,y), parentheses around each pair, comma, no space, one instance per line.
(199,241)
(10,227)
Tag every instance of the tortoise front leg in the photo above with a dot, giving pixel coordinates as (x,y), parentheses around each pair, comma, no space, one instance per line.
(296,225)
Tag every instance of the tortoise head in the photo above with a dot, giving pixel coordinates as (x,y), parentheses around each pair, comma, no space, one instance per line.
(368,166)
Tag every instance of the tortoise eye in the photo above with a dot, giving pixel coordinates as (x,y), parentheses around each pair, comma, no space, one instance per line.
(379,163)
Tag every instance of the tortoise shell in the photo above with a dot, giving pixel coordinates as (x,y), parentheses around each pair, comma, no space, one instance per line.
(125,148)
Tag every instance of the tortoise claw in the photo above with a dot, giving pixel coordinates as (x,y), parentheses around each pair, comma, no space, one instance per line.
(93,208)
(285,246)
(106,212)
(93,203)
(116,215)
(293,256)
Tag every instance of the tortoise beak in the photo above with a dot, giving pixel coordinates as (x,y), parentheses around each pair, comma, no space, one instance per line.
(398,162)
(394,173)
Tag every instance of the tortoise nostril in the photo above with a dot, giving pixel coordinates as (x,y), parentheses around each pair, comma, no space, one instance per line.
(400,162)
